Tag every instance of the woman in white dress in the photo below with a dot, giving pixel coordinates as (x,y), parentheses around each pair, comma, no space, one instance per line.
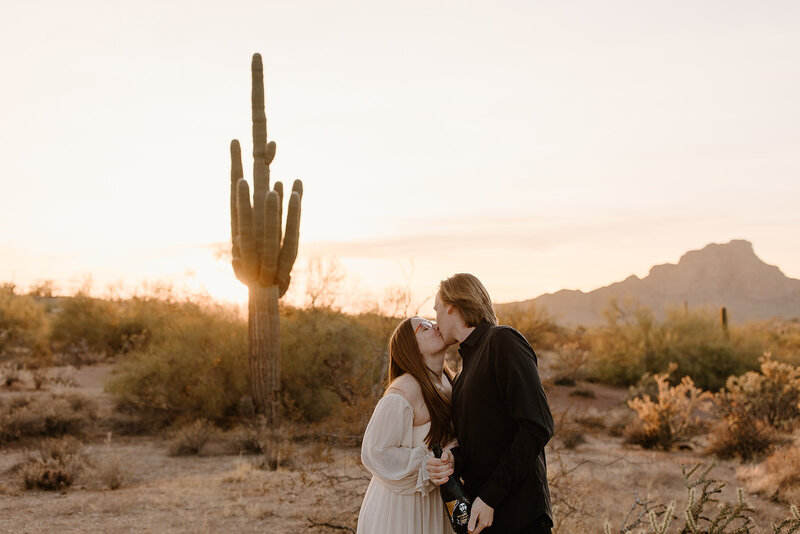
(412,415)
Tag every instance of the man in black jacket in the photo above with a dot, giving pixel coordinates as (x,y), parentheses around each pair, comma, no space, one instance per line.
(500,415)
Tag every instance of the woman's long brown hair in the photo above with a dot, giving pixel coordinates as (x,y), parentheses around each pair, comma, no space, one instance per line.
(405,357)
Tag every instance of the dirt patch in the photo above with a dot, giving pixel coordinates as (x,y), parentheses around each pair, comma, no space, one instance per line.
(231,493)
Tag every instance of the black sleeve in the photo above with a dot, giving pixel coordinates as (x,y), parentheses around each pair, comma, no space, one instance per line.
(521,390)
(457,462)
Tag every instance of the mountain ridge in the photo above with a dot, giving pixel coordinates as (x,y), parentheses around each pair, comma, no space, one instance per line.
(729,274)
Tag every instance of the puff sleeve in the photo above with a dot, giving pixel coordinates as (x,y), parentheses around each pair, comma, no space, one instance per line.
(387,450)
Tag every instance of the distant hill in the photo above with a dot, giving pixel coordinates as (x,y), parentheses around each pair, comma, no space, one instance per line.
(730,275)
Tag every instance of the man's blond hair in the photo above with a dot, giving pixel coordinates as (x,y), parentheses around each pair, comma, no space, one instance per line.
(470,298)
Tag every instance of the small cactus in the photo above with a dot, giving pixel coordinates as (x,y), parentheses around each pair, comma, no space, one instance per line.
(723,319)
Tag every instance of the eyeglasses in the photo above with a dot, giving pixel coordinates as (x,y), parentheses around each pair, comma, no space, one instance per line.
(424,323)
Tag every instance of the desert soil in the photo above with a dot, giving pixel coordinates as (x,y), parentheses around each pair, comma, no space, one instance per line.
(222,492)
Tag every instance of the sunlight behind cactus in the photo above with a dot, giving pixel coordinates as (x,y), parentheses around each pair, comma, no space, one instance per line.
(262,255)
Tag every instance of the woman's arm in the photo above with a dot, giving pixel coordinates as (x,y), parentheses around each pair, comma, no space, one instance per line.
(387,452)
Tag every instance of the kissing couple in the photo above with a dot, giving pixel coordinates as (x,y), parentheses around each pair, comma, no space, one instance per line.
(492,421)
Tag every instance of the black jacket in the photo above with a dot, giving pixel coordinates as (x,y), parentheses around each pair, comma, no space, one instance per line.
(502,422)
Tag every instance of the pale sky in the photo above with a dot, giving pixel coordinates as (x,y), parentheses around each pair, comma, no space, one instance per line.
(538,145)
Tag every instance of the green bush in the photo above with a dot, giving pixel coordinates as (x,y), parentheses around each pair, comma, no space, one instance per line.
(194,366)
(85,323)
(194,362)
(633,343)
(330,360)
(24,328)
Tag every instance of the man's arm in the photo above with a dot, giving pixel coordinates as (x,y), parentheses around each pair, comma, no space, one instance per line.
(521,390)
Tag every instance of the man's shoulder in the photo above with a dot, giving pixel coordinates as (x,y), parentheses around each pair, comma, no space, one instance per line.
(505,332)
(505,337)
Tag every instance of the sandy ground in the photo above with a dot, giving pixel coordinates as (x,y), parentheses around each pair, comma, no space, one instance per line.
(219,492)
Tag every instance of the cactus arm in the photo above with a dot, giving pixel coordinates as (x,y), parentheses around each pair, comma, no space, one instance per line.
(297,187)
(272,240)
(278,188)
(236,174)
(246,240)
(290,242)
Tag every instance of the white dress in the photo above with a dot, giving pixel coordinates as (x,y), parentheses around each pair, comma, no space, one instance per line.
(400,498)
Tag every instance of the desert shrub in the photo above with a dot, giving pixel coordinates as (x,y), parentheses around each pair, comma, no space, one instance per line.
(45,415)
(619,421)
(85,324)
(10,374)
(194,366)
(191,438)
(87,329)
(112,471)
(567,430)
(571,437)
(44,376)
(330,360)
(622,350)
(647,385)
(257,437)
(533,322)
(703,513)
(55,466)
(590,420)
(755,408)
(771,395)
(671,418)
(24,327)
(633,342)
(583,393)
(569,364)
(780,337)
(740,435)
(109,469)
(783,473)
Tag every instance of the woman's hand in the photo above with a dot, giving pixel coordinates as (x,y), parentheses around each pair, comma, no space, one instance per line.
(440,469)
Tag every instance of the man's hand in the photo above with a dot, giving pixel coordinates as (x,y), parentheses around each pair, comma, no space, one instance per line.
(440,469)
(480,516)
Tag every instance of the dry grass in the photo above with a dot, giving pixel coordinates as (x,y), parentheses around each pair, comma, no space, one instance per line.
(48,415)
(109,469)
(777,477)
(569,364)
(191,438)
(274,444)
(743,436)
(54,466)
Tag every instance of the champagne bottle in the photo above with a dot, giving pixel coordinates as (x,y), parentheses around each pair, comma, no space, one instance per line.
(455,499)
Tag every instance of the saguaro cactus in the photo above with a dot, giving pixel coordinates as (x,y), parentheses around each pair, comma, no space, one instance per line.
(262,256)
(723,319)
